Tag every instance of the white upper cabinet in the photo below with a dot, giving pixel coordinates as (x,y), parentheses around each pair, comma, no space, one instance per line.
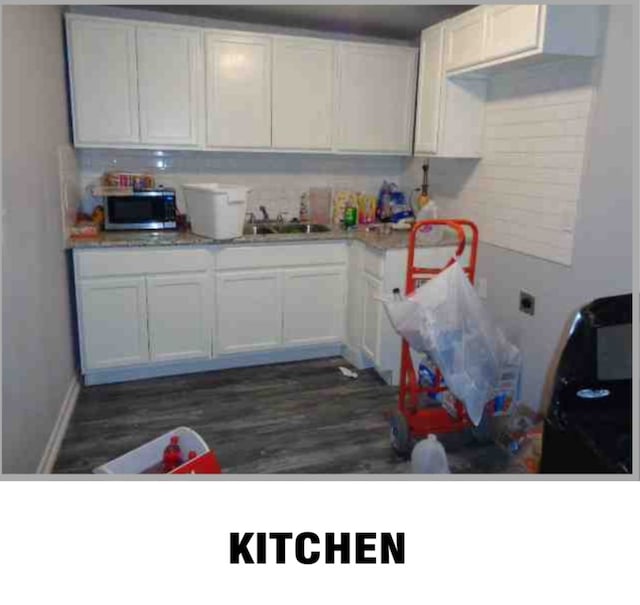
(103,78)
(492,36)
(303,77)
(449,112)
(429,89)
(465,39)
(238,90)
(511,29)
(170,76)
(376,98)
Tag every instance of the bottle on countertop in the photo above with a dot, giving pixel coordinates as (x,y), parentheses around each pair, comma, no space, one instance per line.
(172,457)
(384,209)
(350,213)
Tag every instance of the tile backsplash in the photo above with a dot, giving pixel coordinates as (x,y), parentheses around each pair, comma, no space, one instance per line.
(277,179)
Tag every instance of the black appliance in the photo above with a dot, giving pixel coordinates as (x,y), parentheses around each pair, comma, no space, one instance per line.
(142,209)
(588,425)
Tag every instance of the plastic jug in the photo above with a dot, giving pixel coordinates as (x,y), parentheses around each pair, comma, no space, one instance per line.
(428,456)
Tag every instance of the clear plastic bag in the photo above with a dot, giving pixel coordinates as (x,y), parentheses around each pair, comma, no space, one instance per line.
(446,319)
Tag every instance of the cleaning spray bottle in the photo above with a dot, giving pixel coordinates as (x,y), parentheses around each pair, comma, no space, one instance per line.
(427,210)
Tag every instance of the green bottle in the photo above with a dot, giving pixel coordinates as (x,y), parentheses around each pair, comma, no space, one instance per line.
(350,216)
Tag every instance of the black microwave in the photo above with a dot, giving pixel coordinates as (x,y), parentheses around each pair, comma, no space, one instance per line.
(143,209)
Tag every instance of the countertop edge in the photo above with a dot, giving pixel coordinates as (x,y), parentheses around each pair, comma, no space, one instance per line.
(394,241)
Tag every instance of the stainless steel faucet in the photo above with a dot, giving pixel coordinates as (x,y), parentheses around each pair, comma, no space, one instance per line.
(251,218)
(265,214)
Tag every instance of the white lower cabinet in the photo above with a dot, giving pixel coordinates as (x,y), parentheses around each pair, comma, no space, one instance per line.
(371,317)
(248,310)
(113,322)
(180,312)
(354,297)
(314,305)
(156,311)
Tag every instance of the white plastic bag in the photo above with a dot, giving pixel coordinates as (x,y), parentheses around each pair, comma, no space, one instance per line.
(446,319)
(429,456)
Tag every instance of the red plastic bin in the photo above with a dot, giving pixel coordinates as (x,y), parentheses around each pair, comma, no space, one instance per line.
(149,455)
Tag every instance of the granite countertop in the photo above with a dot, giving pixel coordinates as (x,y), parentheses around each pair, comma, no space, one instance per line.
(373,239)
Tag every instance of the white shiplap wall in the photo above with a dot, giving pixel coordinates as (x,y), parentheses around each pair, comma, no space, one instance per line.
(524,192)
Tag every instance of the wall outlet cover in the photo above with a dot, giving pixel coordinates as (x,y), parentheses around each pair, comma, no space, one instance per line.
(527,303)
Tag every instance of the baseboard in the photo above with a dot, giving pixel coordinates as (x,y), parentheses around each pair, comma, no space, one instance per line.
(222,362)
(356,357)
(50,454)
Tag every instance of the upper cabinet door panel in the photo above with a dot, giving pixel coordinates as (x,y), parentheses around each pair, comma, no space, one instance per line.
(103,81)
(465,39)
(170,72)
(303,76)
(428,106)
(376,98)
(511,29)
(238,85)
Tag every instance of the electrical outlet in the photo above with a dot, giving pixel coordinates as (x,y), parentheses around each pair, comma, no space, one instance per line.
(527,303)
(481,287)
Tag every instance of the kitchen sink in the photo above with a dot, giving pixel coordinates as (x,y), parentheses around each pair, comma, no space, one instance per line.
(299,228)
(284,228)
(257,230)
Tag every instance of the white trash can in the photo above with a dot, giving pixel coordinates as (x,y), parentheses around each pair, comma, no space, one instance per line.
(216,211)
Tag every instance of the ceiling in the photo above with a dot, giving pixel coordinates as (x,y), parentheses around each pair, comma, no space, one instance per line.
(400,22)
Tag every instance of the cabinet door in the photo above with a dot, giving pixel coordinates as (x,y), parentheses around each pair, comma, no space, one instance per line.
(171,82)
(511,29)
(249,311)
(103,79)
(238,75)
(371,316)
(180,316)
(429,89)
(376,98)
(303,75)
(314,305)
(465,39)
(355,294)
(113,322)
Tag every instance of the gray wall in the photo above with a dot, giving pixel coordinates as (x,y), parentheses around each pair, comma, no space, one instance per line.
(602,260)
(36,337)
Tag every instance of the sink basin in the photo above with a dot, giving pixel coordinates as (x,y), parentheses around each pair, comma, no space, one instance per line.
(298,228)
(257,230)
(284,228)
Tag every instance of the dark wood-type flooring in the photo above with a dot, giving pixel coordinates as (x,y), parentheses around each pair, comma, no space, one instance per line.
(302,417)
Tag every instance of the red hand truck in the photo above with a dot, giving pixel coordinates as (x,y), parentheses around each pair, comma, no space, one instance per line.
(413,420)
